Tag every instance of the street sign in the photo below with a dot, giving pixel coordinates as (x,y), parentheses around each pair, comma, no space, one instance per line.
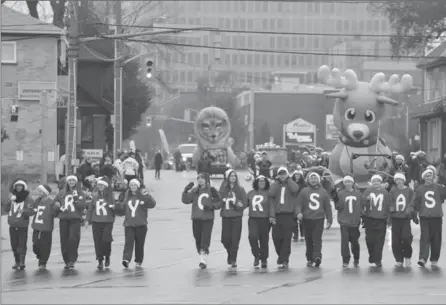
(94,154)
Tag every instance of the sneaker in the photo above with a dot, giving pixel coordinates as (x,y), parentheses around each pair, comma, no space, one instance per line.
(234,265)
(228,261)
(344,265)
(295,238)
(42,266)
(302,239)
(285,265)
(399,264)
(67,266)
(71,265)
(434,264)
(138,265)
(317,262)
(264,264)
(256,262)
(371,260)
(422,262)
(378,265)
(125,263)
(100,264)
(310,264)
(280,266)
(107,261)
(407,262)
(203,262)
(356,263)
(15,266)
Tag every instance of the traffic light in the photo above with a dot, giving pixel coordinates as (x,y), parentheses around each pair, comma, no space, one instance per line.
(14,113)
(149,121)
(149,68)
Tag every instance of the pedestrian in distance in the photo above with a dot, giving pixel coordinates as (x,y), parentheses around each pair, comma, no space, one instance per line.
(234,202)
(72,206)
(282,194)
(134,207)
(428,202)
(204,199)
(298,177)
(101,216)
(313,206)
(19,208)
(260,220)
(130,167)
(45,210)
(158,162)
(349,209)
(401,213)
(376,202)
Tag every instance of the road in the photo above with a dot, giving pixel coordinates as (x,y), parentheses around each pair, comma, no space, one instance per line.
(171,273)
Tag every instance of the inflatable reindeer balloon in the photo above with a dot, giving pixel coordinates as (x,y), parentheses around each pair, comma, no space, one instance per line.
(358,110)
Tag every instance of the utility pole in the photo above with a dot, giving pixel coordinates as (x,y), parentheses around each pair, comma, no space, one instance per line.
(43,153)
(117,143)
(73,54)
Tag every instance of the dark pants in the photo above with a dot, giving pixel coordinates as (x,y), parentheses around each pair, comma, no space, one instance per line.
(102,237)
(313,229)
(231,233)
(350,241)
(259,237)
(70,236)
(282,234)
(375,237)
(157,172)
(430,239)
(202,230)
(19,239)
(401,239)
(42,242)
(135,237)
(298,227)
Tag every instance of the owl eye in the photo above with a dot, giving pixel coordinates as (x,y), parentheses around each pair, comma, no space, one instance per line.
(350,114)
(205,126)
(370,116)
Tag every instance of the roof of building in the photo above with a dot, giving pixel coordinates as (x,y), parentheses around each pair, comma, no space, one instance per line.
(13,22)
(436,56)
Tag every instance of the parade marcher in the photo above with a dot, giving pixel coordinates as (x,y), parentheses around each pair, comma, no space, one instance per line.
(204,164)
(401,212)
(376,202)
(101,216)
(234,202)
(298,177)
(45,210)
(85,173)
(441,170)
(106,167)
(421,165)
(282,194)
(259,222)
(158,162)
(264,165)
(118,164)
(205,199)
(19,208)
(140,160)
(400,166)
(313,206)
(349,209)
(130,167)
(72,205)
(137,201)
(428,202)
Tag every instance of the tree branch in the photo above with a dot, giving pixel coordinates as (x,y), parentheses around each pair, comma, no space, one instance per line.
(32,7)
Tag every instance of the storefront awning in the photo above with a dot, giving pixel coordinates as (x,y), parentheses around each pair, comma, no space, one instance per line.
(430,109)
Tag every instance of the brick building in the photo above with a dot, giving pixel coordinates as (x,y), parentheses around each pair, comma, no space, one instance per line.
(28,66)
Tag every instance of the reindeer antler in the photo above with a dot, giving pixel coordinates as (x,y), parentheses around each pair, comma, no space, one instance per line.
(394,85)
(349,81)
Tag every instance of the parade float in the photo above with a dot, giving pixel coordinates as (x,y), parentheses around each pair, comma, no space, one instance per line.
(358,110)
(212,130)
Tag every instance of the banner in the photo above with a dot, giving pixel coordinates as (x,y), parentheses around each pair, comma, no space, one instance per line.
(331,131)
(299,131)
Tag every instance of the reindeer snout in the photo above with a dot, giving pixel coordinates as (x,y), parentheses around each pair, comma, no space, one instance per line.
(213,136)
(358,134)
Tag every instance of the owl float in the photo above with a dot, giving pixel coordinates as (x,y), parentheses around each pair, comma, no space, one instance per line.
(358,109)
(212,130)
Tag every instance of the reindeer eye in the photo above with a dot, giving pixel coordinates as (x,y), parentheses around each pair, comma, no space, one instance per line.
(205,125)
(218,125)
(369,116)
(350,114)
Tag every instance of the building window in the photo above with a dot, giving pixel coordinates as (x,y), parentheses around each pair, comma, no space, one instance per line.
(242,22)
(294,42)
(280,24)
(376,25)
(272,61)
(279,59)
(272,42)
(249,41)
(242,59)
(87,128)
(302,42)
(190,77)
(250,24)
(235,59)
(265,60)
(9,52)
(257,60)
(434,134)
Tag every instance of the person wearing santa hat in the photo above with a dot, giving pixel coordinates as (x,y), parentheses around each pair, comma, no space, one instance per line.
(348,205)
(401,213)
(282,193)
(19,208)
(400,166)
(376,202)
(134,207)
(298,177)
(313,206)
(428,201)
(72,206)
(45,210)
(101,216)
(234,202)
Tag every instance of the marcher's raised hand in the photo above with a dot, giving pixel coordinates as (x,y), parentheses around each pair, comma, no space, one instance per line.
(272,221)
(13,198)
(300,216)
(189,187)
(415,220)
(144,192)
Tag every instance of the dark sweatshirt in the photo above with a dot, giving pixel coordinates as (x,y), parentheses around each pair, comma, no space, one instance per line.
(259,204)
(72,203)
(45,211)
(19,212)
(230,197)
(283,197)
(378,205)
(349,208)
(135,208)
(101,207)
(313,202)
(401,202)
(429,199)
(203,205)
